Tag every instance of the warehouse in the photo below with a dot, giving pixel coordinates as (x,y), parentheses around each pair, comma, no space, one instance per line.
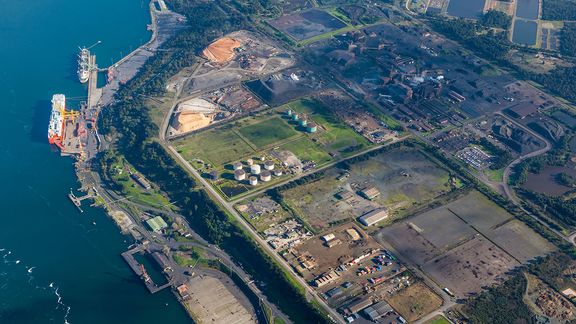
(157,224)
(374,217)
(378,310)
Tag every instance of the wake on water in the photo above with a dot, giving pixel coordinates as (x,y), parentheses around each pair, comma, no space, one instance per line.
(56,290)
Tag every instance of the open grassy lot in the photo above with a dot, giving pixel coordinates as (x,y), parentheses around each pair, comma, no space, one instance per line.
(267,132)
(120,174)
(439,320)
(335,136)
(415,301)
(405,177)
(217,146)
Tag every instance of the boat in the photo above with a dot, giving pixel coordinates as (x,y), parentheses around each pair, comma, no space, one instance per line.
(56,126)
(84,65)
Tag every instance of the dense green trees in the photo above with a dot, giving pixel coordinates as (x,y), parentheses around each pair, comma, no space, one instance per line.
(495,18)
(559,9)
(502,304)
(491,44)
(568,39)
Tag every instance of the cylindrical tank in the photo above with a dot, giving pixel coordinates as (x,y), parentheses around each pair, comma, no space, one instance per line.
(239,175)
(255,169)
(237,166)
(295,117)
(253,181)
(266,176)
(303,122)
(249,162)
(278,172)
(269,165)
(311,128)
(289,112)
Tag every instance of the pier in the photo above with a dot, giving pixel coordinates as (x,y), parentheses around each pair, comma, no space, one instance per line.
(77,201)
(140,270)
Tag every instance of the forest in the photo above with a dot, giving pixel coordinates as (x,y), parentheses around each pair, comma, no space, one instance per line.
(559,9)
(568,39)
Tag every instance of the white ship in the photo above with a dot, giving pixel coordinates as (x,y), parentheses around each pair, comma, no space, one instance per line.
(56,126)
(84,65)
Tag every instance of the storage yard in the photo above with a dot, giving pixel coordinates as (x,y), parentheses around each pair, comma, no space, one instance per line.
(236,56)
(216,300)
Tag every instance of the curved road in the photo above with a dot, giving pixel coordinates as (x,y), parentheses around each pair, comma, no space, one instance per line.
(334,316)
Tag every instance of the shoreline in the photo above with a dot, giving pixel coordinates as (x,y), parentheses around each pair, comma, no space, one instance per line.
(91,182)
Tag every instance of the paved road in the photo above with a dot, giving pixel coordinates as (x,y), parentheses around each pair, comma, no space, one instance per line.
(229,207)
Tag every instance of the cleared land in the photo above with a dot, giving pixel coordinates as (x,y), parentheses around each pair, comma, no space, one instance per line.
(216,300)
(404,178)
(415,301)
(307,24)
(467,244)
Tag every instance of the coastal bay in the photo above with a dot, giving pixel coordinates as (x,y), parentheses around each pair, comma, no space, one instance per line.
(58,264)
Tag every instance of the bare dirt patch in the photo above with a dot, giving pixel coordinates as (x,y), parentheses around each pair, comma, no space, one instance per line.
(415,301)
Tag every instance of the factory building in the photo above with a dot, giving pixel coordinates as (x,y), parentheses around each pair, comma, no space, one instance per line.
(325,279)
(269,165)
(378,310)
(266,176)
(157,224)
(370,192)
(141,181)
(255,169)
(239,175)
(359,304)
(253,181)
(374,216)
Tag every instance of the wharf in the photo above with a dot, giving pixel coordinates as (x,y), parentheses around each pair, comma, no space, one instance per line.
(140,271)
(77,201)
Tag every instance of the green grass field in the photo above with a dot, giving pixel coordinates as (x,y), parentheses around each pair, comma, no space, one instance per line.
(267,132)
(336,136)
(305,150)
(438,320)
(217,146)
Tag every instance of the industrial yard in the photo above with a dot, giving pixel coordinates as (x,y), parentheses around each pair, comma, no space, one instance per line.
(270,146)
(391,183)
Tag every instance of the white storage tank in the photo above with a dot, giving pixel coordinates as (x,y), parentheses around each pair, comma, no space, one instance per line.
(239,175)
(266,176)
(249,162)
(237,166)
(253,180)
(269,165)
(278,173)
(255,169)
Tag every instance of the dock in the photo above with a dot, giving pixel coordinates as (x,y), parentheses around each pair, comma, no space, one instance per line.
(140,271)
(77,201)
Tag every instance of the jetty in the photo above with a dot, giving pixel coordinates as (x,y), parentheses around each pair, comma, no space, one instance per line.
(140,270)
